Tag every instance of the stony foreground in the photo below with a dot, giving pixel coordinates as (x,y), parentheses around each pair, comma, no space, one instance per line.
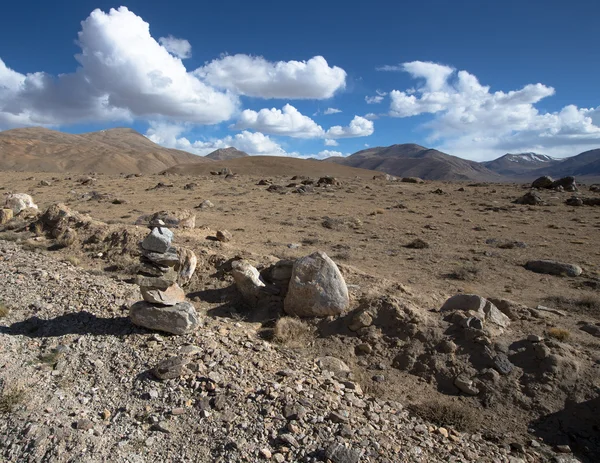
(77,374)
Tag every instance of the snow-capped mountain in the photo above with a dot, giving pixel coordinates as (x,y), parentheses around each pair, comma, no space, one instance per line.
(512,164)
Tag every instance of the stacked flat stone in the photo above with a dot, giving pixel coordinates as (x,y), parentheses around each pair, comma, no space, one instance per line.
(164,307)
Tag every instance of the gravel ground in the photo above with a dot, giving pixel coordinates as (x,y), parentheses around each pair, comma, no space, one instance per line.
(77,386)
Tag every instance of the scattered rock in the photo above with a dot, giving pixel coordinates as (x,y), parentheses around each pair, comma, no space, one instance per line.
(206,204)
(412,180)
(159,240)
(530,198)
(465,385)
(317,288)
(172,367)
(224,236)
(170,296)
(178,319)
(19,202)
(543,182)
(552,267)
(247,280)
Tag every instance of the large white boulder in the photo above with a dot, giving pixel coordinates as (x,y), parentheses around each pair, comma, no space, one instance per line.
(317,288)
(18,202)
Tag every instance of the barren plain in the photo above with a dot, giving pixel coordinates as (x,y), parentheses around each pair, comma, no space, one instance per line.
(403,248)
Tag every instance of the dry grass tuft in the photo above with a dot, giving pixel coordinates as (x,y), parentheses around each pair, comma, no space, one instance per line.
(4,310)
(417,244)
(292,332)
(465,273)
(10,398)
(75,261)
(447,414)
(559,333)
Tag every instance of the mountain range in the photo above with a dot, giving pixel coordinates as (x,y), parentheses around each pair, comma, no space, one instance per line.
(124,150)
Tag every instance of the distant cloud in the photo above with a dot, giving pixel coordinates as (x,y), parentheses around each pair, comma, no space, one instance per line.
(254,143)
(377,98)
(371,116)
(287,121)
(290,122)
(255,76)
(328,154)
(178,47)
(373,99)
(329,111)
(329,142)
(469,119)
(358,127)
(390,68)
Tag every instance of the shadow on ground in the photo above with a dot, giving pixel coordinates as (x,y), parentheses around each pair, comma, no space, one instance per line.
(71,323)
(577,425)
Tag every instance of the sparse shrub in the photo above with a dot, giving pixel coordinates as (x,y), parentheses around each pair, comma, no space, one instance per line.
(559,333)
(73,260)
(465,273)
(417,244)
(292,332)
(377,212)
(37,228)
(458,416)
(4,310)
(588,304)
(10,398)
(66,238)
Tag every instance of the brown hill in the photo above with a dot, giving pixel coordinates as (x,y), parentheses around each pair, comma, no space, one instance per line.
(224,154)
(110,151)
(411,160)
(271,166)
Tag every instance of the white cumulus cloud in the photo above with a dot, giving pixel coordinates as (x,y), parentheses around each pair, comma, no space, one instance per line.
(255,76)
(327,154)
(253,143)
(178,47)
(358,127)
(470,120)
(290,122)
(329,111)
(123,73)
(329,142)
(374,99)
(287,121)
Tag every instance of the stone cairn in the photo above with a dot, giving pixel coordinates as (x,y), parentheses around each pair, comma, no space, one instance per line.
(164,307)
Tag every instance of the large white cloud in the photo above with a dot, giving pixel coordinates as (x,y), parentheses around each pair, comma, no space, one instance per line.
(471,120)
(257,77)
(358,127)
(253,143)
(286,121)
(290,122)
(124,73)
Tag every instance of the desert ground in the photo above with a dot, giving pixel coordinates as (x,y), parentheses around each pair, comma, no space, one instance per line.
(403,248)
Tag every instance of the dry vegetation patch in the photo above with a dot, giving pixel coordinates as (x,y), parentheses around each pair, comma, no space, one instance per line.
(292,332)
(448,414)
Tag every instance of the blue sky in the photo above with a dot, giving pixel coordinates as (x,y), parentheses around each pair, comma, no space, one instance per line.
(476,79)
